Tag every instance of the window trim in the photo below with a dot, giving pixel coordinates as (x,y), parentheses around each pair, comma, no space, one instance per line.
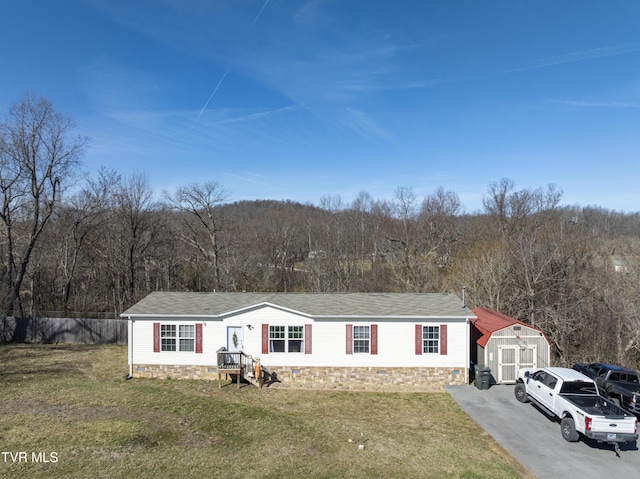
(307,340)
(420,339)
(287,330)
(184,337)
(428,342)
(168,336)
(186,332)
(361,345)
(350,339)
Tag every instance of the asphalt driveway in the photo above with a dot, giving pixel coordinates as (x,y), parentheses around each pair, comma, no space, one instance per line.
(535,440)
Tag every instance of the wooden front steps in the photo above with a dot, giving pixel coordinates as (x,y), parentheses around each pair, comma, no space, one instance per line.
(239,366)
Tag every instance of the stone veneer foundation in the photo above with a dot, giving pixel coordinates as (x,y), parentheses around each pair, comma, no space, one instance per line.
(370,378)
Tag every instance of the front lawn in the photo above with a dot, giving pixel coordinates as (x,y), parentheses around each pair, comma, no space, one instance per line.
(71,405)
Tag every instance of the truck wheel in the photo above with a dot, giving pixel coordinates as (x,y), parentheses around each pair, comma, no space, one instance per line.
(568,429)
(521,393)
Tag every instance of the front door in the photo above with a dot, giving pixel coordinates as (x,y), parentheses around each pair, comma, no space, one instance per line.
(235,339)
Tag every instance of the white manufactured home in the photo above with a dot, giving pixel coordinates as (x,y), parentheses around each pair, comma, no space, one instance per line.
(345,340)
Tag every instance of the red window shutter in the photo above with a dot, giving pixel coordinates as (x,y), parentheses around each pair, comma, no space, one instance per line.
(198,337)
(349,338)
(265,339)
(418,338)
(307,339)
(443,339)
(374,339)
(156,337)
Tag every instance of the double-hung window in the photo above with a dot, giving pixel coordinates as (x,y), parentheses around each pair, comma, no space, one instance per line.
(296,339)
(361,339)
(168,337)
(431,339)
(286,339)
(177,337)
(187,335)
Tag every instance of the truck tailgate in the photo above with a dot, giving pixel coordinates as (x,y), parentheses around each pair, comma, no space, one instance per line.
(611,428)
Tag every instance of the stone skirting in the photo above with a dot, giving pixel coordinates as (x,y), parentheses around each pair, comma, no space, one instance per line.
(371,378)
(352,378)
(163,371)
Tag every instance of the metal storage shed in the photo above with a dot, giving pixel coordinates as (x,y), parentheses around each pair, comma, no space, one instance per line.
(505,345)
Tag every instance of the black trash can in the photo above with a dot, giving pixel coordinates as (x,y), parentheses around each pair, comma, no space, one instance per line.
(483,376)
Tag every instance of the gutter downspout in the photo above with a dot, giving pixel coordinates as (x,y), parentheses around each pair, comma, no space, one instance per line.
(467,353)
(130,347)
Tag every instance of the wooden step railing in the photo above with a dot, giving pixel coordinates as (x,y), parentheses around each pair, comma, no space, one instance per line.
(239,364)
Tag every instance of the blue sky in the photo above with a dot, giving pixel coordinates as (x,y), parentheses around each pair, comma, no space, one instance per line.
(299,100)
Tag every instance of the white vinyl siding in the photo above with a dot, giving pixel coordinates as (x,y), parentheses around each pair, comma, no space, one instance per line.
(395,344)
(141,343)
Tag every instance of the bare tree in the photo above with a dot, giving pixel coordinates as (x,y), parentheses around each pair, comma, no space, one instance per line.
(515,210)
(203,223)
(335,265)
(85,213)
(437,222)
(529,223)
(485,271)
(406,259)
(616,295)
(422,238)
(134,225)
(37,160)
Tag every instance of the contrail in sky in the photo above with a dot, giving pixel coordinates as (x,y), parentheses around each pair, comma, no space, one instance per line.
(579,56)
(255,20)
(214,91)
(259,13)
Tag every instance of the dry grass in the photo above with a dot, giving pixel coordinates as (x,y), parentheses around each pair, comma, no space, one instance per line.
(75,402)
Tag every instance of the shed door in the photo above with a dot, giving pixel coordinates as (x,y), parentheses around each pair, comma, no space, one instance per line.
(512,358)
(528,357)
(507,367)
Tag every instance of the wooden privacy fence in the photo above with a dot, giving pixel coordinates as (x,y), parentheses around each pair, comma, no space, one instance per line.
(63,330)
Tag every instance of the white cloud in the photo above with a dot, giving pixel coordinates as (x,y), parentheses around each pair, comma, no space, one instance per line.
(364,125)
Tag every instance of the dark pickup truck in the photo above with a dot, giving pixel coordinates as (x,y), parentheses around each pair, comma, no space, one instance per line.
(618,384)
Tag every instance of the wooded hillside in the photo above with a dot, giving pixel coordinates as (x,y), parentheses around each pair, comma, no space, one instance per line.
(572,271)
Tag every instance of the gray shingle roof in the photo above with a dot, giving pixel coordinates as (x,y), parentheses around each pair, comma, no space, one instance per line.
(317,305)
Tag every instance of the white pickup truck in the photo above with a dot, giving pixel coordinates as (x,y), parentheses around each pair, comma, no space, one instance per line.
(574,399)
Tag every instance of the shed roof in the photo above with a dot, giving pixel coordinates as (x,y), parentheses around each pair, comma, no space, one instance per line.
(317,305)
(488,322)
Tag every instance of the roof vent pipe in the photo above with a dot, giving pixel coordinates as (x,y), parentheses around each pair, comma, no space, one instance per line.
(464,288)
